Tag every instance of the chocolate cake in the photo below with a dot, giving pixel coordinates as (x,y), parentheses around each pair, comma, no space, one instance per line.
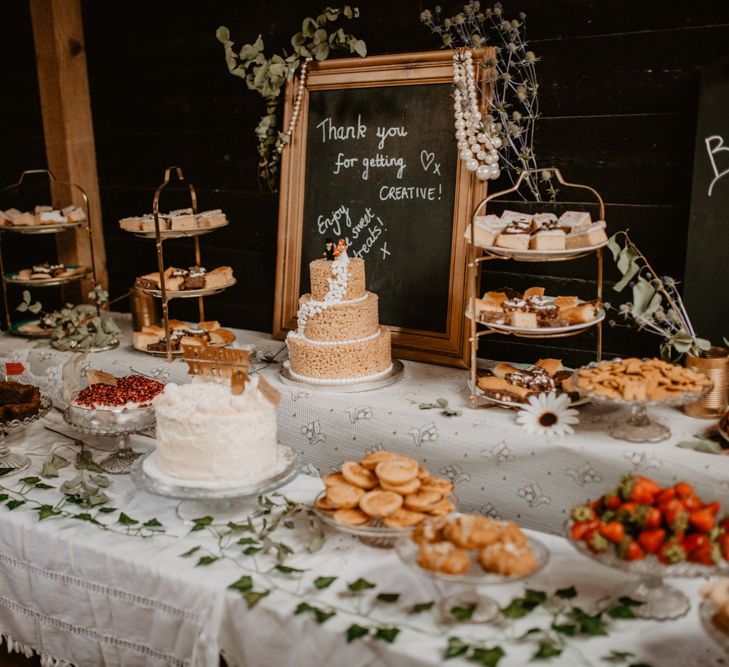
(18,401)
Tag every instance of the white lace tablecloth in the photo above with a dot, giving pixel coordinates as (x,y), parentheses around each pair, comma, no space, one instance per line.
(497,468)
(76,593)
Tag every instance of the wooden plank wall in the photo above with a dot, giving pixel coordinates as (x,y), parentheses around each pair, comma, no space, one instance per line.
(619,84)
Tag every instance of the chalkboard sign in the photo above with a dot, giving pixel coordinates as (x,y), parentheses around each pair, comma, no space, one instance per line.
(374,161)
(705,293)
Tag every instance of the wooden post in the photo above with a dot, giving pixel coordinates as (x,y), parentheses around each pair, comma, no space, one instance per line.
(67,124)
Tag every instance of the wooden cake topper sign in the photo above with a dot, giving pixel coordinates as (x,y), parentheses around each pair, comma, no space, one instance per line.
(232,364)
(100,377)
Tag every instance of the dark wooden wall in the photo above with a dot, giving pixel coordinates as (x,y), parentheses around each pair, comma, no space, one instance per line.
(618,93)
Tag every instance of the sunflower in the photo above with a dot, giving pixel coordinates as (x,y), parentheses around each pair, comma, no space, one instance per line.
(548,414)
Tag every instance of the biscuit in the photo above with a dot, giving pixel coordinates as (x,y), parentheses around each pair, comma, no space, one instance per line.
(403,489)
(334,479)
(508,560)
(351,517)
(323,503)
(403,518)
(422,501)
(398,470)
(373,458)
(356,475)
(442,486)
(423,473)
(344,496)
(442,507)
(379,504)
(443,557)
(470,531)
(430,530)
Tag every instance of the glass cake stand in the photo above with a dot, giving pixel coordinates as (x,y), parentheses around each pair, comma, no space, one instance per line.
(374,534)
(226,499)
(486,608)
(8,459)
(706,615)
(659,601)
(639,427)
(120,430)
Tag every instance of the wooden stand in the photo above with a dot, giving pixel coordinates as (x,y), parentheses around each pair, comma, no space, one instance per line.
(476,259)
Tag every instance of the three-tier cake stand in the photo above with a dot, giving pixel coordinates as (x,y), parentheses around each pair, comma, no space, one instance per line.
(55,228)
(477,256)
(161,235)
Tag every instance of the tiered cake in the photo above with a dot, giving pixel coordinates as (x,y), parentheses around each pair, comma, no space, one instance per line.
(339,339)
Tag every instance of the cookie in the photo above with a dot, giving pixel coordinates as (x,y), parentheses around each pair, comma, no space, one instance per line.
(356,475)
(379,504)
(430,530)
(323,503)
(370,460)
(423,473)
(422,501)
(442,486)
(508,560)
(333,478)
(351,517)
(399,470)
(443,557)
(403,489)
(403,518)
(441,508)
(344,496)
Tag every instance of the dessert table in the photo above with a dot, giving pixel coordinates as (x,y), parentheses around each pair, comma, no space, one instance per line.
(89,593)
(497,468)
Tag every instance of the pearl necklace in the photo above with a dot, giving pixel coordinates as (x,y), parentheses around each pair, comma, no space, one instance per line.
(297,106)
(477,143)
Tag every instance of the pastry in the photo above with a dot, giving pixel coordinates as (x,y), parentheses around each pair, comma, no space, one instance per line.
(397,471)
(548,239)
(514,237)
(344,495)
(152,338)
(509,384)
(18,401)
(507,559)
(547,220)
(472,531)
(514,217)
(403,518)
(213,218)
(485,229)
(422,501)
(220,277)
(411,486)
(352,517)
(585,312)
(322,503)
(443,557)
(334,479)
(195,278)
(379,504)
(443,486)
(356,475)
(183,219)
(442,507)
(502,390)
(430,530)
(588,236)
(574,220)
(371,460)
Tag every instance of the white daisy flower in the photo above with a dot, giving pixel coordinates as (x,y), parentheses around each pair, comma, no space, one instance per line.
(548,415)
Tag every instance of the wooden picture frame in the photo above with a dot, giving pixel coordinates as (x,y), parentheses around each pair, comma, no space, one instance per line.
(448,348)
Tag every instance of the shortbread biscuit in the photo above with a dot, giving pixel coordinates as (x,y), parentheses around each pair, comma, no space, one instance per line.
(422,501)
(442,486)
(351,517)
(334,479)
(423,473)
(442,508)
(370,460)
(323,503)
(403,518)
(356,475)
(399,470)
(403,489)
(379,504)
(344,496)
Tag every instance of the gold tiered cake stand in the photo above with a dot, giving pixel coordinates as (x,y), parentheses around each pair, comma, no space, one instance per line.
(477,255)
(161,235)
(56,228)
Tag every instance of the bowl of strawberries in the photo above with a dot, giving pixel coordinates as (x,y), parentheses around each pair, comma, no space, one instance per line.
(653,531)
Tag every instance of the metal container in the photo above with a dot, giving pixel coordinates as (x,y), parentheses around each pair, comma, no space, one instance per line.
(144,309)
(715,365)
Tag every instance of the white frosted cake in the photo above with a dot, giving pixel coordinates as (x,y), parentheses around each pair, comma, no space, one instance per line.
(204,432)
(339,339)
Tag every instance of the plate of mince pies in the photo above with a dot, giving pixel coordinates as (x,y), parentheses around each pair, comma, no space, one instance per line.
(471,549)
(382,497)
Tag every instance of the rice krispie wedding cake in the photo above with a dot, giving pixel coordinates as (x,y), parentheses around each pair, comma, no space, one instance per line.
(339,339)
(204,432)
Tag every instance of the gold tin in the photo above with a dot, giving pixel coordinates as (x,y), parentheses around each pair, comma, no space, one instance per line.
(144,310)
(715,365)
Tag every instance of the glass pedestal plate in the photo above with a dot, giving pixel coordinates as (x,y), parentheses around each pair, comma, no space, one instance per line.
(225,499)
(659,601)
(706,614)
(10,459)
(484,608)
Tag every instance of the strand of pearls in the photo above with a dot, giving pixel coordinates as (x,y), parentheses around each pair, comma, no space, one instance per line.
(297,105)
(477,143)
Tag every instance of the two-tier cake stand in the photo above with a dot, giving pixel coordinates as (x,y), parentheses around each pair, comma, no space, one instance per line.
(161,235)
(478,255)
(13,278)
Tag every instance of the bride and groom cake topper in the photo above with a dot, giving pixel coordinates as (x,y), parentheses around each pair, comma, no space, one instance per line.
(331,251)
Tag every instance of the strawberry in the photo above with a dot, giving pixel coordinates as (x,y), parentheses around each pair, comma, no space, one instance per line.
(671,552)
(582,513)
(724,523)
(665,495)
(675,515)
(630,550)
(639,490)
(706,554)
(611,500)
(692,503)
(649,517)
(596,542)
(613,531)
(702,520)
(652,540)
(724,545)
(581,528)
(684,489)
(713,507)
(695,541)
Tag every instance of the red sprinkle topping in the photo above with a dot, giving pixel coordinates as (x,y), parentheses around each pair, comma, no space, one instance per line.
(129,389)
